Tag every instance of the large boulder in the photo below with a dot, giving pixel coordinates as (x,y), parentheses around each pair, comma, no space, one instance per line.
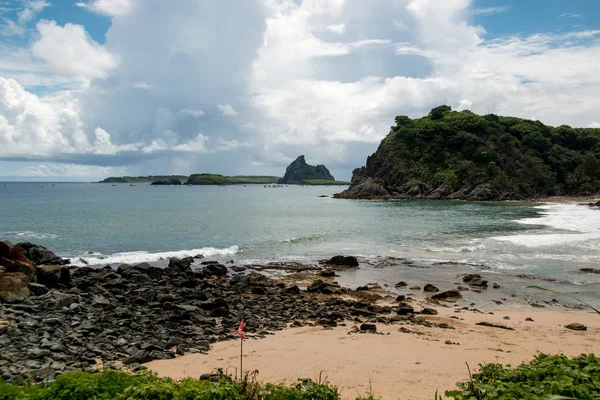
(345,261)
(40,255)
(13,259)
(54,276)
(180,266)
(13,287)
(475,280)
(450,295)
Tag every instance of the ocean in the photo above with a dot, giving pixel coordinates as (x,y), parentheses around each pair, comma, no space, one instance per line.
(99,224)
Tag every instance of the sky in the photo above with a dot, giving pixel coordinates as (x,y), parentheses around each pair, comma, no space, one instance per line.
(97,88)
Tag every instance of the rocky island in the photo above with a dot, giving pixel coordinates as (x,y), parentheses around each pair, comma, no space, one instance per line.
(462,155)
(300,173)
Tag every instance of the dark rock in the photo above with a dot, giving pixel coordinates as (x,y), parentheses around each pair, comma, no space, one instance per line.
(401,284)
(320,287)
(258,290)
(238,269)
(415,288)
(447,295)
(211,377)
(590,270)
(40,255)
(215,270)
(528,319)
(219,312)
(54,276)
(346,261)
(405,309)
(474,280)
(368,328)
(576,327)
(293,289)
(299,171)
(401,298)
(327,273)
(496,286)
(12,259)
(429,311)
(430,288)
(180,265)
(362,288)
(36,289)
(490,325)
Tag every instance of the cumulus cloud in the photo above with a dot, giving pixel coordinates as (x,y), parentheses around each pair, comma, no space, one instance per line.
(112,8)
(337,28)
(69,50)
(30,9)
(227,110)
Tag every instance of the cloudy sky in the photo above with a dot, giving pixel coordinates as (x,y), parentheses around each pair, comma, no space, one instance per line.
(92,88)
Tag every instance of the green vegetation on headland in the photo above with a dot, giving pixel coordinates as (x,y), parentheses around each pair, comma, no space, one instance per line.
(462,155)
(325,182)
(195,179)
(143,179)
(299,172)
(543,378)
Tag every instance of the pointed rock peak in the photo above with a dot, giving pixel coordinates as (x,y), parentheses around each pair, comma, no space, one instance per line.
(299,171)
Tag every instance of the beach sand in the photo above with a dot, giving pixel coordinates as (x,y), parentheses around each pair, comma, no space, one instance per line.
(394,364)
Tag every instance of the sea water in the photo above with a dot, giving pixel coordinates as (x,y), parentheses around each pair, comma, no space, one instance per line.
(99,224)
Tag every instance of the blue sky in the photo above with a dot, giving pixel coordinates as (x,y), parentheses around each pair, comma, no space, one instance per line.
(90,88)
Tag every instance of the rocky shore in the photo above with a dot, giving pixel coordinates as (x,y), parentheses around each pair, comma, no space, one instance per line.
(57,319)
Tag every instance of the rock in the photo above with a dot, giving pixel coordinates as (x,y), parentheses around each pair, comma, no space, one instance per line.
(447,295)
(327,273)
(13,259)
(320,287)
(405,309)
(4,325)
(258,290)
(99,300)
(238,269)
(215,270)
(153,272)
(415,288)
(219,312)
(496,286)
(401,298)
(187,308)
(368,328)
(490,325)
(401,284)
(429,311)
(430,288)
(54,276)
(528,319)
(40,255)
(474,280)
(211,377)
(362,288)
(590,270)
(13,287)
(576,327)
(292,289)
(36,289)
(180,266)
(346,261)
(299,171)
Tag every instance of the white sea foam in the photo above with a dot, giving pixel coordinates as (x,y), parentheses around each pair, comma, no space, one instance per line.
(460,249)
(576,223)
(28,235)
(135,257)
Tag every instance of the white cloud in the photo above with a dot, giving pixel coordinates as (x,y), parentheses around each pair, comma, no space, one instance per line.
(227,110)
(70,51)
(52,170)
(193,113)
(491,10)
(103,144)
(569,15)
(594,125)
(400,25)
(143,85)
(196,145)
(111,8)
(337,28)
(30,10)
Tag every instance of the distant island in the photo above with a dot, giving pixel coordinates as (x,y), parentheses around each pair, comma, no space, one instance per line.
(300,173)
(462,155)
(217,179)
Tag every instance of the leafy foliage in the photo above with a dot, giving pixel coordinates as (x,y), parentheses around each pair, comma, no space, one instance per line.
(110,384)
(545,376)
(142,179)
(256,179)
(513,155)
(208,179)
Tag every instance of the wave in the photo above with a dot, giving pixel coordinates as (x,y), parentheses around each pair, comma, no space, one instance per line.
(28,235)
(576,223)
(136,257)
(302,239)
(462,249)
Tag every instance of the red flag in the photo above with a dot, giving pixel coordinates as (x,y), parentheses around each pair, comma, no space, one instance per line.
(240,330)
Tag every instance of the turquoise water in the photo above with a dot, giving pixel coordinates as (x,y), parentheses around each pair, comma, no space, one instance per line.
(102,224)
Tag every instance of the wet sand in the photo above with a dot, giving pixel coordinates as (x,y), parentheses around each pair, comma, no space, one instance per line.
(394,364)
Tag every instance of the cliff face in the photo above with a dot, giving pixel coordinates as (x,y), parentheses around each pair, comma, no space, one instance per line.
(299,171)
(461,155)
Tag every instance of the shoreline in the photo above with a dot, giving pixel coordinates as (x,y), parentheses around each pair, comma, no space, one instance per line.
(403,360)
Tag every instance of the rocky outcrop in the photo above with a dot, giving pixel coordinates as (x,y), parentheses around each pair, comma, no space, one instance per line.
(299,171)
(40,255)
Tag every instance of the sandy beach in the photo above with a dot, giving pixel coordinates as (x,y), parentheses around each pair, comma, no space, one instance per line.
(399,365)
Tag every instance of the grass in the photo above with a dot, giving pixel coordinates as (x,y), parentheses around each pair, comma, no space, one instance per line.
(253,179)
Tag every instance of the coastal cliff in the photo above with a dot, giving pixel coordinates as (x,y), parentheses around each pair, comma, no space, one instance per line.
(462,155)
(299,171)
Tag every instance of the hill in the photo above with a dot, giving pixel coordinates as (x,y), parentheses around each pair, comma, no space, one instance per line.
(462,155)
(299,171)
(142,179)
(209,179)
(173,179)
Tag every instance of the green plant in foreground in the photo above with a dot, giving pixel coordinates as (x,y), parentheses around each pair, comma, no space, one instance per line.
(564,294)
(544,378)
